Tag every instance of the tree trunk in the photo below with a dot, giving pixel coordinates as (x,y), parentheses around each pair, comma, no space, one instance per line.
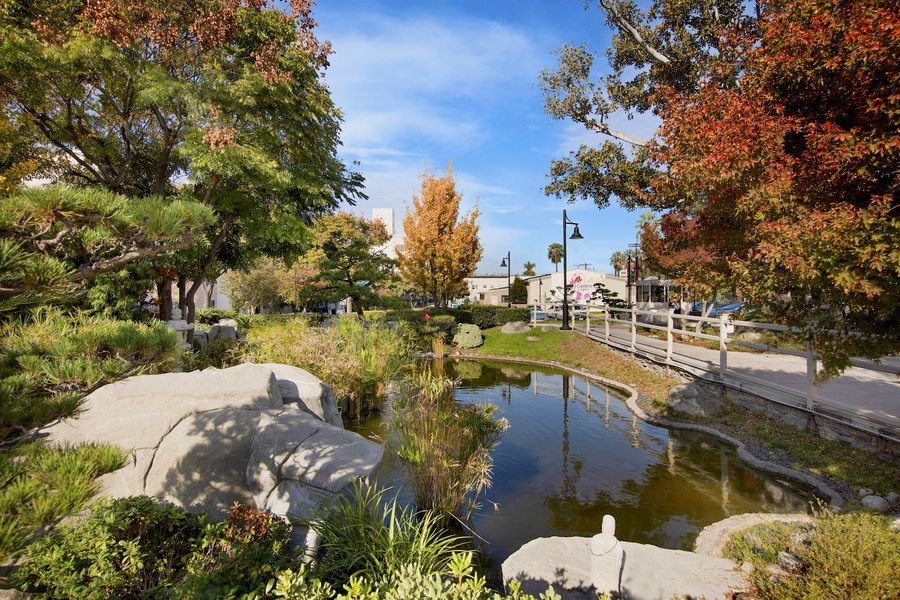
(200,274)
(182,290)
(164,291)
(357,305)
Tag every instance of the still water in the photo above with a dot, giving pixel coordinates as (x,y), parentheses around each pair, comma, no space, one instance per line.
(574,452)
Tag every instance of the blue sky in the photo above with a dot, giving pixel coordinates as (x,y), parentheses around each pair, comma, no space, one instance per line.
(428,82)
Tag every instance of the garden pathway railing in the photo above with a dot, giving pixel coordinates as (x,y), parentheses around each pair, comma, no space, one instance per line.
(866,396)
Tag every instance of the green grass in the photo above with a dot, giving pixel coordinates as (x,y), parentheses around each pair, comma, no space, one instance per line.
(807,451)
(572,348)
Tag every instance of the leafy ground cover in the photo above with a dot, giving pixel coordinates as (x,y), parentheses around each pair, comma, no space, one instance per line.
(853,555)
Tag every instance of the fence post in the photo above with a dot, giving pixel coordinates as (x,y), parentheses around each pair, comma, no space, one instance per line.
(606,321)
(633,328)
(670,341)
(810,378)
(723,347)
(587,321)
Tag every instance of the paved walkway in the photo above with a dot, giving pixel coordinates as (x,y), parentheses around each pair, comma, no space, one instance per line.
(868,397)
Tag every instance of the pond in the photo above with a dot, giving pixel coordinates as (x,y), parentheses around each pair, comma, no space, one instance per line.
(574,452)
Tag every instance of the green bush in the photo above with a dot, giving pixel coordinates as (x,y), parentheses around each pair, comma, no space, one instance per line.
(854,555)
(220,353)
(50,360)
(411,315)
(492,316)
(468,336)
(42,484)
(125,548)
(362,534)
(211,316)
(135,547)
(357,358)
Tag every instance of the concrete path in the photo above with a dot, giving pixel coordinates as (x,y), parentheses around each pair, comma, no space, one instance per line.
(870,398)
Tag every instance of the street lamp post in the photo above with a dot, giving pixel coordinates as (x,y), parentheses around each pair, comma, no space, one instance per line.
(576,235)
(507,262)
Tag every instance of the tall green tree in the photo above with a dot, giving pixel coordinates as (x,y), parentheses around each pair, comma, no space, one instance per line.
(346,258)
(555,254)
(529,269)
(254,288)
(222,98)
(776,164)
(518,291)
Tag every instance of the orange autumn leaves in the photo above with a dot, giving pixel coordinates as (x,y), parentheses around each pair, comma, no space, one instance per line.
(441,249)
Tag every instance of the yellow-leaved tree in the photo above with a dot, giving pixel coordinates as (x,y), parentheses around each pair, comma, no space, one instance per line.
(441,249)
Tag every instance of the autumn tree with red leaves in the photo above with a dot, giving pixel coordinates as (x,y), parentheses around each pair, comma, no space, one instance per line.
(221,101)
(776,164)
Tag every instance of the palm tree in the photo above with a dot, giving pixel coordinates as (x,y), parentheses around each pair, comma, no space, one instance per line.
(555,254)
(618,260)
(529,269)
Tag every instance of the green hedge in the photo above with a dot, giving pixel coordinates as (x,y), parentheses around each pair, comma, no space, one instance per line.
(492,316)
(461,315)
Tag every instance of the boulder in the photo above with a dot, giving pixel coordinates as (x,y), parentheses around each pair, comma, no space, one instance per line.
(139,411)
(893,498)
(222,332)
(863,492)
(515,327)
(300,387)
(648,572)
(876,503)
(695,400)
(533,338)
(207,439)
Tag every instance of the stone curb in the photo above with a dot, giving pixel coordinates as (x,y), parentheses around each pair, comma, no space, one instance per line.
(836,500)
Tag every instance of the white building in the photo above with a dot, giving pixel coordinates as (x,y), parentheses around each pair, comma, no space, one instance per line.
(545,290)
(395,244)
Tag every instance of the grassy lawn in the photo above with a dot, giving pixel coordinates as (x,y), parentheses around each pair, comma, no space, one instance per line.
(771,439)
(571,348)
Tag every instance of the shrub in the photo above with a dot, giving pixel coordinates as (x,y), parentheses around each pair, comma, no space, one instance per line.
(364,535)
(492,316)
(42,484)
(125,548)
(135,547)
(220,353)
(468,336)
(51,360)
(444,446)
(357,358)
(211,316)
(854,555)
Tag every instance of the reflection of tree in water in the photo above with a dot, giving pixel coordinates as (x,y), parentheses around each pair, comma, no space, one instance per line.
(571,467)
(468,369)
(487,375)
(670,501)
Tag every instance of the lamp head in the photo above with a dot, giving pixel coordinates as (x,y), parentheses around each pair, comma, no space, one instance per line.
(503,263)
(576,235)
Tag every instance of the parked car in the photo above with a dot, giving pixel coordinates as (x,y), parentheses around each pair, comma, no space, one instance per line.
(577,312)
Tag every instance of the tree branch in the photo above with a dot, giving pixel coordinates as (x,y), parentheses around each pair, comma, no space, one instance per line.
(633,32)
(634,141)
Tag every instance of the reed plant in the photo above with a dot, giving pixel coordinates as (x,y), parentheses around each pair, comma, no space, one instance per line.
(444,446)
(357,357)
(363,534)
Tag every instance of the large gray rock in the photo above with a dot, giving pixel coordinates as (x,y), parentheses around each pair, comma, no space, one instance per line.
(207,439)
(301,387)
(139,411)
(648,572)
(876,503)
(332,458)
(692,399)
(222,332)
(515,327)
(202,462)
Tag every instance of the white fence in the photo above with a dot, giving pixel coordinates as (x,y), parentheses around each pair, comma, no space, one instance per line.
(620,328)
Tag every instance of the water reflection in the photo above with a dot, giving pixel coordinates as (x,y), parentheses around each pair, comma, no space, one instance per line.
(574,452)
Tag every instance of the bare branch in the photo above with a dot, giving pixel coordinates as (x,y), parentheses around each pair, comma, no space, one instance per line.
(635,34)
(630,139)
